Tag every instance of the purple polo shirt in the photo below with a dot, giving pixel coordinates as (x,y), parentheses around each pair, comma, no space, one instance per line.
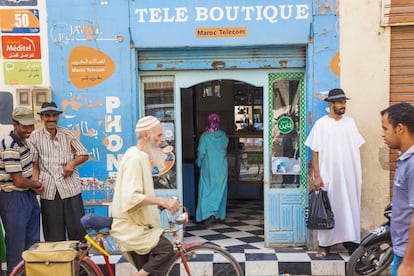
(402,201)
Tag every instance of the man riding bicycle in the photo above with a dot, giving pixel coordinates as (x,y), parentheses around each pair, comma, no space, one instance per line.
(136,220)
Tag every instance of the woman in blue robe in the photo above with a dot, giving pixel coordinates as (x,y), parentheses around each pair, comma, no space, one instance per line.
(212,160)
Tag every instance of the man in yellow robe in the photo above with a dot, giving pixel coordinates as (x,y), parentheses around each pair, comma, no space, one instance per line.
(136,225)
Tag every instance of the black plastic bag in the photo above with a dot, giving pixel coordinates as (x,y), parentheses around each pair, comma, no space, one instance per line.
(319,214)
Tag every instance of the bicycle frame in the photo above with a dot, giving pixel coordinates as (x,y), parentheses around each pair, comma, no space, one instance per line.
(101,248)
(83,249)
(177,241)
(181,252)
(185,254)
(96,223)
(96,240)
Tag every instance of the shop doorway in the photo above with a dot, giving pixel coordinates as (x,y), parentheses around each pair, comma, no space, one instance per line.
(240,107)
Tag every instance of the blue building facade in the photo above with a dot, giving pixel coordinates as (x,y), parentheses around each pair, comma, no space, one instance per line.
(111,62)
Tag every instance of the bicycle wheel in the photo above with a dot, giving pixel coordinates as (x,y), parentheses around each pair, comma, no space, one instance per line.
(86,268)
(205,259)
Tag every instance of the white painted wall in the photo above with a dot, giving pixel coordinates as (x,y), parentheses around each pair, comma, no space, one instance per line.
(41,6)
(364,63)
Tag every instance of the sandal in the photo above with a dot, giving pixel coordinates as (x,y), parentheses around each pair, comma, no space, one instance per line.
(322,253)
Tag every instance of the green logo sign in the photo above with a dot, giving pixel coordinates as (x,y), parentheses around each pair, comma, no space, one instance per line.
(285,124)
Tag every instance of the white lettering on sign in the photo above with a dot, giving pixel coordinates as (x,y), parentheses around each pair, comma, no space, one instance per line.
(157,15)
(113,124)
(112,161)
(270,13)
(113,142)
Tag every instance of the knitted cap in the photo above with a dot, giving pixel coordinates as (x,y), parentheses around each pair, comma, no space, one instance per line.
(146,123)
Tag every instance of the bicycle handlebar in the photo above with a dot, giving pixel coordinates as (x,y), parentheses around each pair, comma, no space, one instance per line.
(180,219)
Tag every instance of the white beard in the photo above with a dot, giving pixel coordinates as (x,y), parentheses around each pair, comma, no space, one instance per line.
(157,155)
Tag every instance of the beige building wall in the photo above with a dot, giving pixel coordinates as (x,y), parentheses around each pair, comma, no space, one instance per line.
(364,69)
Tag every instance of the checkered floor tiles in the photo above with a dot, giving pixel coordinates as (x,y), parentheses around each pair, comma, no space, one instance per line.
(242,236)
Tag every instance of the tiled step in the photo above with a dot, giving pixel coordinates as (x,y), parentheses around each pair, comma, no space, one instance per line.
(264,263)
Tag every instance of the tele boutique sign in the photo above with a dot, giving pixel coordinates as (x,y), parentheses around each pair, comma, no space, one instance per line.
(203,23)
(269,13)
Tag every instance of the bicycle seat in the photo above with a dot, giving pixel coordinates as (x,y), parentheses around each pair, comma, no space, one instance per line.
(95,222)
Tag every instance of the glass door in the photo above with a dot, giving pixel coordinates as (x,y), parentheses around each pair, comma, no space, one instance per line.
(286,161)
(284,197)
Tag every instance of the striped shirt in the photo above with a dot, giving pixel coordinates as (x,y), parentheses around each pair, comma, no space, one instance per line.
(52,155)
(15,157)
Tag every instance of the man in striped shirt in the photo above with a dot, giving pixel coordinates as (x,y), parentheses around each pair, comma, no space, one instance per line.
(19,208)
(57,153)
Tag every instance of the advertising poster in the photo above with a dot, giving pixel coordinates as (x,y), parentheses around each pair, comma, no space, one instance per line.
(21,47)
(20,21)
(22,72)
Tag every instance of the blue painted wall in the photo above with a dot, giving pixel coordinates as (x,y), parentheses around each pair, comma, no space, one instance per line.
(104,113)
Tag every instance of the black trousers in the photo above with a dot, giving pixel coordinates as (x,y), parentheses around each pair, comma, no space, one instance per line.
(61,218)
(155,262)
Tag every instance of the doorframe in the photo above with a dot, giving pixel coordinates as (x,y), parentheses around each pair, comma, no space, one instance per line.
(256,77)
(186,79)
(274,196)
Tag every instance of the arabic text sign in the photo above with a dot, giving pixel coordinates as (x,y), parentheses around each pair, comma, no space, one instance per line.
(21,47)
(19,21)
(285,124)
(17,72)
(88,66)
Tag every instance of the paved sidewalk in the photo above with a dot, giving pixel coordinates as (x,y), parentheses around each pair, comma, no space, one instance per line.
(242,235)
(264,263)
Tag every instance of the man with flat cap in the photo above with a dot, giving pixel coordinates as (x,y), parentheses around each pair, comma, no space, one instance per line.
(136,225)
(19,208)
(57,154)
(335,141)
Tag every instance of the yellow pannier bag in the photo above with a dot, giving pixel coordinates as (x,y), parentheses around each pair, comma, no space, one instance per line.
(50,258)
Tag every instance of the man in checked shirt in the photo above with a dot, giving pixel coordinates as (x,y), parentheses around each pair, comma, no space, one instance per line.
(57,153)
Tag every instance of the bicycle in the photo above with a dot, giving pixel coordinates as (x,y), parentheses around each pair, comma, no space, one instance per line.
(98,230)
(197,258)
(193,259)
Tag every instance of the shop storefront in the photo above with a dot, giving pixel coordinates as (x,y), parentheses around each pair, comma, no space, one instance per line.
(263,66)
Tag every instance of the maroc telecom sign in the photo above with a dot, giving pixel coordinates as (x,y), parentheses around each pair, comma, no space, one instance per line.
(228,22)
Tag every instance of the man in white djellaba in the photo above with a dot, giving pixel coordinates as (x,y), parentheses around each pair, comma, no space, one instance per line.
(335,144)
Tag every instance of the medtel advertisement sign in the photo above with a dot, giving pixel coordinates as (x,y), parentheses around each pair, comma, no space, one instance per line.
(220,22)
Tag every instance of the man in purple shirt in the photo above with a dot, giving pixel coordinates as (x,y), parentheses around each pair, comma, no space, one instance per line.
(398,133)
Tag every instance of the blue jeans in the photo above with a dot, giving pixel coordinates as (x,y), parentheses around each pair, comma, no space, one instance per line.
(20,214)
(396,263)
